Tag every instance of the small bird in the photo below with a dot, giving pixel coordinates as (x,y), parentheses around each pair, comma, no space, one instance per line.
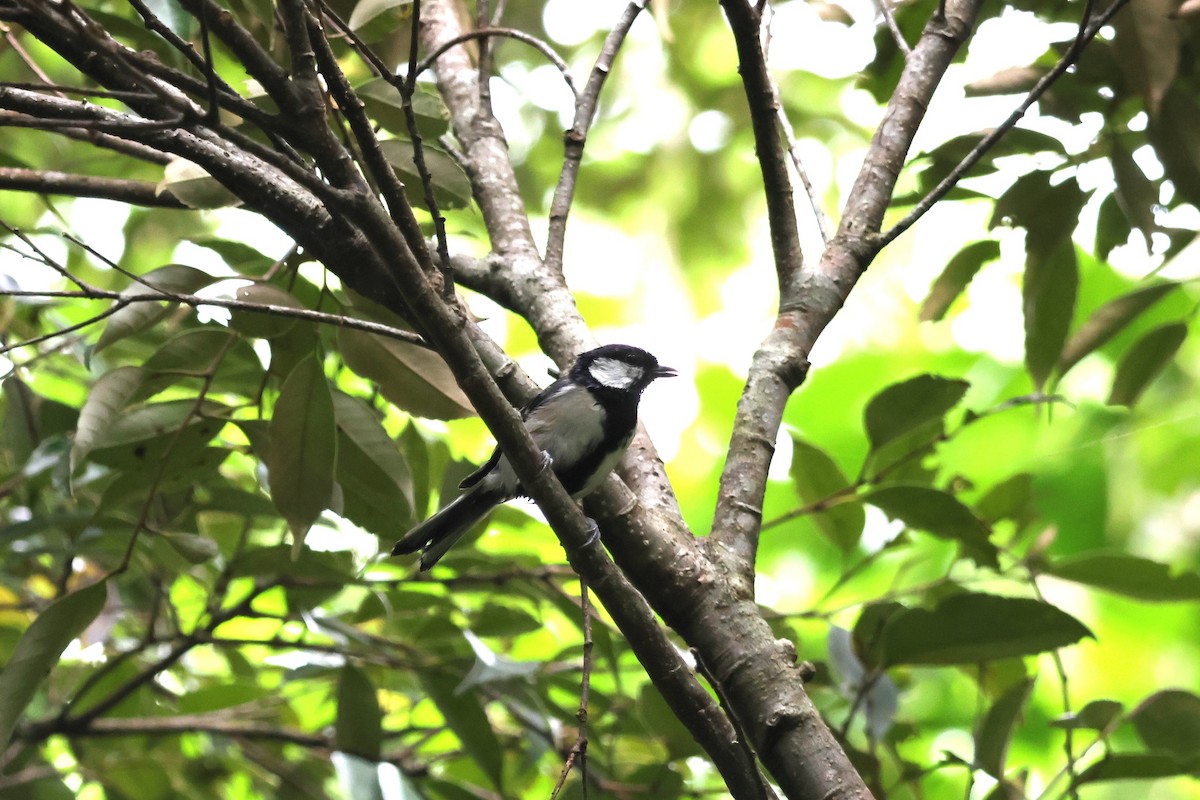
(583,422)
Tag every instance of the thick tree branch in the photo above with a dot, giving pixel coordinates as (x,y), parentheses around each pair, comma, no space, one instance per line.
(134,192)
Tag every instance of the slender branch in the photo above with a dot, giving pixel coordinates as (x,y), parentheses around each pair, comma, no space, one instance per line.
(159,295)
(351,106)
(134,192)
(575,138)
(484,34)
(889,18)
(578,752)
(1088,29)
(746,24)
(409,88)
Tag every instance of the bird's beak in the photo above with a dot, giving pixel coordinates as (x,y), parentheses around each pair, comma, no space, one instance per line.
(664,372)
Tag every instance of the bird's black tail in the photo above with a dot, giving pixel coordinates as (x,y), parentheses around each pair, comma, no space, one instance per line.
(436,535)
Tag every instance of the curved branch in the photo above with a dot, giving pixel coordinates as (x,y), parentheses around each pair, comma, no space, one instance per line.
(506,33)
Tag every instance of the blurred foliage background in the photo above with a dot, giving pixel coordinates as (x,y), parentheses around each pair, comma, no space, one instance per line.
(1036,330)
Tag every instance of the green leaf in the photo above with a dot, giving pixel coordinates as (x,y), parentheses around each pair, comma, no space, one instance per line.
(191,185)
(817,477)
(1108,320)
(263,324)
(939,514)
(996,730)
(971,628)
(1112,226)
(451,187)
(904,406)
(955,277)
(1175,134)
(367,10)
(465,716)
(414,379)
(39,649)
(1147,46)
(359,724)
(1128,575)
(142,437)
(1051,283)
(192,352)
(1097,715)
(385,104)
(105,404)
(1135,766)
(1169,722)
(1144,360)
(1136,193)
(377,485)
(137,317)
(303,454)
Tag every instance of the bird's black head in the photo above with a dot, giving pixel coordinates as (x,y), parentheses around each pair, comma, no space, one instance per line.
(618,367)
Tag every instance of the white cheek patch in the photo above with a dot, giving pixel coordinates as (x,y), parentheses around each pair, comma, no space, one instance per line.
(615,374)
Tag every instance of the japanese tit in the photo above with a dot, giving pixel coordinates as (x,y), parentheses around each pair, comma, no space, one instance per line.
(583,421)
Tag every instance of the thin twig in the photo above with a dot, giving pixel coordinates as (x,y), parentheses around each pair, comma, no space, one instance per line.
(414,135)
(575,138)
(578,752)
(1087,32)
(885,8)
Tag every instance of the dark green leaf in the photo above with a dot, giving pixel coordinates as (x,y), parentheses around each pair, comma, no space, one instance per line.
(303,454)
(955,277)
(194,352)
(1051,283)
(1108,320)
(1112,226)
(465,716)
(996,730)
(413,378)
(971,628)
(191,185)
(367,10)
(904,406)
(1135,766)
(1147,47)
(1175,134)
(40,647)
(359,721)
(451,187)
(385,104)
(1148,356)
(1097,715)
(1169,722)
(1129,575)
(105,404)
(137,317)
(1137,194)
(263,324)
(142,437)
(817,477)
(376,483)
(1048,213)
(939,514)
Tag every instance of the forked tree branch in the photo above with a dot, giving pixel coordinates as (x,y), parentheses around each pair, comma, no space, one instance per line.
(815,293)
